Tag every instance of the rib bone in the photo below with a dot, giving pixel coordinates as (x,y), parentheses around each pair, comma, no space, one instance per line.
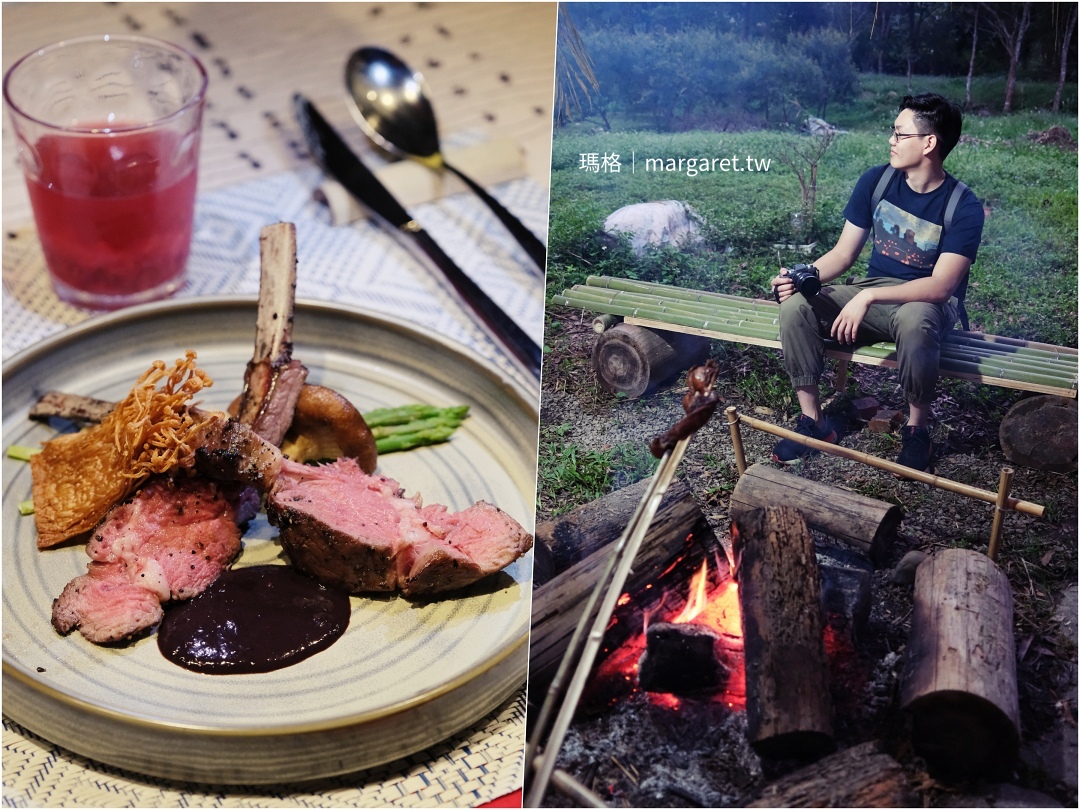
(273,380)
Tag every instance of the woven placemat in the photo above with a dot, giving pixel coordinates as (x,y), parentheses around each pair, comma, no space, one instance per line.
(476,766)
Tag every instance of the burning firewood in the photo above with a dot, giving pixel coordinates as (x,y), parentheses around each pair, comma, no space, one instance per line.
(569,682)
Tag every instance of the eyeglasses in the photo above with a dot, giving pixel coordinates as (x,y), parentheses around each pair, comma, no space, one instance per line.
(899,136)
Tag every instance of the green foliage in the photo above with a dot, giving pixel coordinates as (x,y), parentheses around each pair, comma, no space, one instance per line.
(678,79)
(569,475)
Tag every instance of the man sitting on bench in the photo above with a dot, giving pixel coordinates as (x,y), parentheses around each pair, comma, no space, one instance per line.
(925,240)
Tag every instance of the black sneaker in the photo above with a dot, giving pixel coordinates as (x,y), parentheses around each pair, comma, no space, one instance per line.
(915,448)
(788,451)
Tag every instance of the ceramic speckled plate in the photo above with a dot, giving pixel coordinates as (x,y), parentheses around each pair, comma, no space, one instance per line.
(404,676)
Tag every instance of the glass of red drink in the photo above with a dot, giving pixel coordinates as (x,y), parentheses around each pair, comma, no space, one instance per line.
(107,131)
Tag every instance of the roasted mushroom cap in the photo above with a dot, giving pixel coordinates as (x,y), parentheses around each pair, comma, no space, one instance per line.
(328,426)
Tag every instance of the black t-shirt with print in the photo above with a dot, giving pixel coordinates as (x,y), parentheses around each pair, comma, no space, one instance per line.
(907,225)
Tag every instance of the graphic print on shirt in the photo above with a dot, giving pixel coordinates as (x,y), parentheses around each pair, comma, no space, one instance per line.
(904,237)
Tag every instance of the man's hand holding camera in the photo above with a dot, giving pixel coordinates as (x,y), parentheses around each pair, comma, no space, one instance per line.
(803,278)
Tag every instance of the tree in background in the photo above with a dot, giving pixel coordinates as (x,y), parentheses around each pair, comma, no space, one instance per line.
(1009,24)
(675,66)
(1066,43)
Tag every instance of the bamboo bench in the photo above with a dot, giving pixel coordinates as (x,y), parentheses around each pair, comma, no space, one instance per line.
(974,356)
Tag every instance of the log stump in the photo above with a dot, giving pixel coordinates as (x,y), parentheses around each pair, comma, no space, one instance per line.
(865,524)
(960,669)
(633,360)
(789,710)
(570,538)
(1040,432)
(860,776)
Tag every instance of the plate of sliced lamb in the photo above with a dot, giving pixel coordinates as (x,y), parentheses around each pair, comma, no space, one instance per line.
(164,496)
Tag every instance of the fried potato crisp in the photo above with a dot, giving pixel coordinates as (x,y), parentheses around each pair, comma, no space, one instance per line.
(78,476)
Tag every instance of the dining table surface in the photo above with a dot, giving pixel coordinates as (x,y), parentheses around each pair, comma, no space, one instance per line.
(490,71)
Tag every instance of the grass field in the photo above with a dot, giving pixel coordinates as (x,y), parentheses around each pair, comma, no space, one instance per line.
(1024,282)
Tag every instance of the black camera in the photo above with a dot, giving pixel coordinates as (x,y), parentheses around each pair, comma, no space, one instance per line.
(805,278)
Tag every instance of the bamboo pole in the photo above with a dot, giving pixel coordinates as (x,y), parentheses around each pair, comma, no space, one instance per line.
(565,690)
(949,485)
(1004,485)
(601,323)
(736,437)
(730,320)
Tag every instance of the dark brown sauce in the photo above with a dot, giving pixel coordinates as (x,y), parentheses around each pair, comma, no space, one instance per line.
(255,619)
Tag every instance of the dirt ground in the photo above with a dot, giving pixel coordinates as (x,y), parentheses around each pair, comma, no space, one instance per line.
(642,754)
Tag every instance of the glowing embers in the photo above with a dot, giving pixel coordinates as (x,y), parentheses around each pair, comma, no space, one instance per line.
(693,652)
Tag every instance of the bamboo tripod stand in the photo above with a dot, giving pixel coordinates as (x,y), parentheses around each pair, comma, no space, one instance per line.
(1001,499)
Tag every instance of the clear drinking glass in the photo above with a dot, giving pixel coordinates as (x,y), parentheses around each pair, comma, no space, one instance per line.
(107,131)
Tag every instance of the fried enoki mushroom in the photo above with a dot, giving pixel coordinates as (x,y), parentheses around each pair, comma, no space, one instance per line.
(77,477)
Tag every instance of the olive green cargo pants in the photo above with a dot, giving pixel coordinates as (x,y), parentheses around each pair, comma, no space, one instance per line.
(915,328)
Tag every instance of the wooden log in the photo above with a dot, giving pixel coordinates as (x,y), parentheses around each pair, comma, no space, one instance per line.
(1040,432)
(634,361)
(673,548)
(860,776)
(789,709)
(960,667)
(865,524)
(572,537)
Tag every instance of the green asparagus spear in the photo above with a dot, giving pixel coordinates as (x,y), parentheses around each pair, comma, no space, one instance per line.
(414,427)
(397,442)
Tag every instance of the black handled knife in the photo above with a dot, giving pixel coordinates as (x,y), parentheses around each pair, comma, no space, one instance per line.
(339,161)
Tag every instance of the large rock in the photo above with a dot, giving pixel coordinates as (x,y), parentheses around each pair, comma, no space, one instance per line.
(656,224)
(1040,432)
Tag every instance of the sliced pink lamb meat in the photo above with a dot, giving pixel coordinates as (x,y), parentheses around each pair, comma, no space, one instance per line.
(358,532)
(170,540)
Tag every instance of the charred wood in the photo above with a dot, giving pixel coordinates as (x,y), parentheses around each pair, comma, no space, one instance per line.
(673,548)
(579,533)
(681,659)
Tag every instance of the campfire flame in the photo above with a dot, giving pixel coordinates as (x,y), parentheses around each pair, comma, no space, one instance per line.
(695,604)
(714,607)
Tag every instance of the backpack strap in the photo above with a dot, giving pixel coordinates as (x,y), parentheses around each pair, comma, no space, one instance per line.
(950,207)
(950,210)
(879,189)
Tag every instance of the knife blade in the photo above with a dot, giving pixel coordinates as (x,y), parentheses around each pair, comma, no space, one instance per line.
(339,161)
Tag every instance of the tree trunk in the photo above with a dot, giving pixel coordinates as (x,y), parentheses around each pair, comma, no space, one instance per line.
(634,360)
(860,776)
(971,63)
(863,523)
(1011,33)
(1065,47)
(788,705)
(960,667)
(677,540)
